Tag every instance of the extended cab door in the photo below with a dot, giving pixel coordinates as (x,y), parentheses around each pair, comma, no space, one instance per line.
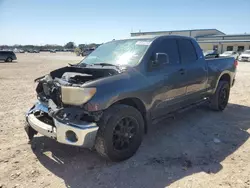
(195,68)
(166,79)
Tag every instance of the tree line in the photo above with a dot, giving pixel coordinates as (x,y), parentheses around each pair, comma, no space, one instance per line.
(67,46)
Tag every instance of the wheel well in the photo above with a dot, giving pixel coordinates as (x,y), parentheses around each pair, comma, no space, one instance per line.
(225,77)
(138,104)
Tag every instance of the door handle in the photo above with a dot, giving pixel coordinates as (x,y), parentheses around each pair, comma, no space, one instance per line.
(182,71)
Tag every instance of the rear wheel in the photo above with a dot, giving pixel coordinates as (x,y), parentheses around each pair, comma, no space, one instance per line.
(219,100)
(9,59)
(120,132)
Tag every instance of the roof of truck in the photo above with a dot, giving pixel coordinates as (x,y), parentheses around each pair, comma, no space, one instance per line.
(154,37)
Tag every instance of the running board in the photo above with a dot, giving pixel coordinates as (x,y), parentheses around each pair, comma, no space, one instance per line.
(172,115)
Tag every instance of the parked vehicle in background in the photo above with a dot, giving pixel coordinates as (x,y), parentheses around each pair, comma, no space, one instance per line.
(244,56)
(30,51)
(16,50)
(211,54)
(36,51)
(109,99)
(87,51)
(7,56)
(230,54)
(52,51)
(68,50)
(21,51)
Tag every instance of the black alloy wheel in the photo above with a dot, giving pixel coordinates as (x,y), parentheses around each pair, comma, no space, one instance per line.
(219,100)
(120,132)
(223,98)
(9,59)
(124,133)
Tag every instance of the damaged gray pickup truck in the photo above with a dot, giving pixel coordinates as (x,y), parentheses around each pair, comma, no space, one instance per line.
(108,100)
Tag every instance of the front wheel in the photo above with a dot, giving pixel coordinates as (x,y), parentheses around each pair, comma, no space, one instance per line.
(219,100)
(9,59)
(120,132)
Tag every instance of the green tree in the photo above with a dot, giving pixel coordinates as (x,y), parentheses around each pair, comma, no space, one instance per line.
(81,46)
(92,45)
(69,45)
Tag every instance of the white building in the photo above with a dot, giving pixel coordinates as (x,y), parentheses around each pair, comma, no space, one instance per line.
(209,39)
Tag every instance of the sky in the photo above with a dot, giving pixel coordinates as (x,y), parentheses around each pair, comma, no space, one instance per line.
(41,22)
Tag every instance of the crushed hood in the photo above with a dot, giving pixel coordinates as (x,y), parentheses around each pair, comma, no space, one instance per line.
(49,86)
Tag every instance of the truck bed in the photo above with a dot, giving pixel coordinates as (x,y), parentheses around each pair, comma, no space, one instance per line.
(219,66)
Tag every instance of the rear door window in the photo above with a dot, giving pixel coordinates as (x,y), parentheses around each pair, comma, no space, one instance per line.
(187,51)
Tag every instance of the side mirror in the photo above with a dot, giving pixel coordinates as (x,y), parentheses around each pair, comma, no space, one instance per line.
(160,58)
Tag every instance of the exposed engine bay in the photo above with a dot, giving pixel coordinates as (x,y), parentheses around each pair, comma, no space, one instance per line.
(68,82)
(49,86)
(76,76)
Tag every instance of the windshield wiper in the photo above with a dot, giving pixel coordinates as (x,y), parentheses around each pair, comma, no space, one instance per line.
(119,67)
(85,65)
(105,64)
(109,64)
(101,64)
(78,64)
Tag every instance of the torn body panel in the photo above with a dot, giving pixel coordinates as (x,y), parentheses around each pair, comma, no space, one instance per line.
(49,86)
(50,116)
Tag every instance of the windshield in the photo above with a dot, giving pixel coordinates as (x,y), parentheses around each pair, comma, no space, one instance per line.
(228,53)
(119,52)
(246,52)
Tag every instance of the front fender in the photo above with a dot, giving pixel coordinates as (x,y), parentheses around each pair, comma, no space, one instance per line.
(111,89)
(106,99)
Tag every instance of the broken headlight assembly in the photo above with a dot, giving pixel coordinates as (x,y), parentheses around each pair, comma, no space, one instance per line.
(76,95)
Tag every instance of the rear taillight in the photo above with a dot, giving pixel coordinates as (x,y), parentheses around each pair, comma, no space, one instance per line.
(235,63)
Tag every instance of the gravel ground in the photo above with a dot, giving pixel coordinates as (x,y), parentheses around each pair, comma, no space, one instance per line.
(200,148)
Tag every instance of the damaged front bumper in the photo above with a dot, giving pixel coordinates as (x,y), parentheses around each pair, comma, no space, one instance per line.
(66,131)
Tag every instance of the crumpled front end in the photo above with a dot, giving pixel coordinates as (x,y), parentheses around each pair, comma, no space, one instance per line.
(61,125)
(59,112)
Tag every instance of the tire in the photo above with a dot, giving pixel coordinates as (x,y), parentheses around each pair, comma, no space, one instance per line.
(219,100)
(108,144)
(9,59)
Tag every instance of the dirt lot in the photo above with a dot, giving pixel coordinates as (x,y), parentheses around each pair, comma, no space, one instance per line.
(200,148)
